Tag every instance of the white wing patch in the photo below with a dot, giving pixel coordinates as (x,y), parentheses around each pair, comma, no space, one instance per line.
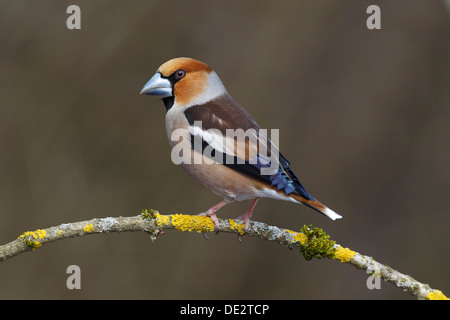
(213,137)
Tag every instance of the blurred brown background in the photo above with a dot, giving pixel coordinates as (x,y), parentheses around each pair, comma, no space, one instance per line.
(363,118)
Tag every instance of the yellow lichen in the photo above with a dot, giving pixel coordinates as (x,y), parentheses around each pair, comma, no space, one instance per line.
(162,220)
(298,237)
(436,295)
(344,254)
(38,234)
(31,237)
(240,227)
(59,233)
(88,228)
(190,223)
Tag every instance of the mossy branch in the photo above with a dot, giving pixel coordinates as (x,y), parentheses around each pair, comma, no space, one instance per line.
(311,242)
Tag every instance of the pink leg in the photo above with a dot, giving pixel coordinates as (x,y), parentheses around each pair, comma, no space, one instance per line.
(211,212)
(248,214)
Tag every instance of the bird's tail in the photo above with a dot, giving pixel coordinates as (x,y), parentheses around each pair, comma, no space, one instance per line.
(316,205)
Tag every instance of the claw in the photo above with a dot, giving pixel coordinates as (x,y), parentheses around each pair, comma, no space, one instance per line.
(211,213)
(246,217)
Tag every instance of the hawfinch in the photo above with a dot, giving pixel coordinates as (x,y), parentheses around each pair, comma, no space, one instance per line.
(219,144)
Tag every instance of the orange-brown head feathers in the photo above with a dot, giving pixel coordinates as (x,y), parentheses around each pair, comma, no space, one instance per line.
(187,64)
(185,82)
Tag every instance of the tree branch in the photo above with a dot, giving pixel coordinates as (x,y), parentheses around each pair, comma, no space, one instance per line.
(311,242)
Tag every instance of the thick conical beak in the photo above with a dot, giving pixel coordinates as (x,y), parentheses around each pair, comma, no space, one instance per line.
(158,86)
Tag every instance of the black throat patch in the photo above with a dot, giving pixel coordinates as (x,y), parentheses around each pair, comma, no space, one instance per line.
(168,102)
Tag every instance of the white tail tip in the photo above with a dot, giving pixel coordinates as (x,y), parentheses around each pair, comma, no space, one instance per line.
(331,214)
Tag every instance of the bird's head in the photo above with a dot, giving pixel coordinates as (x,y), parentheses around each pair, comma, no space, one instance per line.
(183,82)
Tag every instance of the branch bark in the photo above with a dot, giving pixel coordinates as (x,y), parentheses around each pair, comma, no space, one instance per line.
(311,242)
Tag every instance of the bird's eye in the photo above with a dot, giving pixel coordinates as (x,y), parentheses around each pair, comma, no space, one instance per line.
(180,74)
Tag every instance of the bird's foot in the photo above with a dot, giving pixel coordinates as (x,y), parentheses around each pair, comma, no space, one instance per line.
(213,217)
(246,218)
(211,213)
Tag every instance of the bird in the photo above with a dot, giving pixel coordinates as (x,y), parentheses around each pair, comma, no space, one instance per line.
(201,118)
